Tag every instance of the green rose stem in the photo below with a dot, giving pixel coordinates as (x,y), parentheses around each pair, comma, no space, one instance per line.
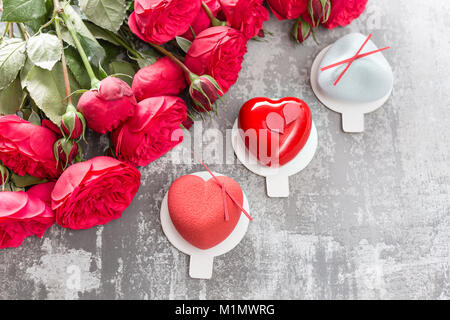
(23,31)
(214,21)
(120,41)
(64,65)
(5,30)
(174,59)
(94,81)
(193,32)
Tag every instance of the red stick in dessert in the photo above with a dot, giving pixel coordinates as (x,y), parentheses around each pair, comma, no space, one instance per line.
(224,193)
(352,59)
(362,55)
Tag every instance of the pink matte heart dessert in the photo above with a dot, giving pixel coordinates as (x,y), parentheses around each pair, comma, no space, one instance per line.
(197,211)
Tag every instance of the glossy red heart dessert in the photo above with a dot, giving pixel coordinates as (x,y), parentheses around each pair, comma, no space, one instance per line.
(275,131)
(196,208)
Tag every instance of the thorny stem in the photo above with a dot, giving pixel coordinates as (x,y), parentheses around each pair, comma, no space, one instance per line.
(87,64)
(23,30)
(5,31)
(24,98)
(55,13)
(64,64)
(11,30)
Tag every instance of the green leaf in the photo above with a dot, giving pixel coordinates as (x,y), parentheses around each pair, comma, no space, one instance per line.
(108,14)
(112,52)
(47,90)
(123,69)
(34,118)
(100,33)
(25,181)
(24,72)
(12,59)
(149,57)
(93,49)
(10,98)
(44,50)
(23,10)
(184,43)
(76,66)
(102,73)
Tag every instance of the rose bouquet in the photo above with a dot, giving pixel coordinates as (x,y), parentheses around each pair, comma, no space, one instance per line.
(118,68)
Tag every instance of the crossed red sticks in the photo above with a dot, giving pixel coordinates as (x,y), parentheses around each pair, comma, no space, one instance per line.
(352,59)
(224,193)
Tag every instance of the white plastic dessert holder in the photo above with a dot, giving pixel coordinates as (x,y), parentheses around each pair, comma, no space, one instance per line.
(201,261)
(277,178)
(352,113)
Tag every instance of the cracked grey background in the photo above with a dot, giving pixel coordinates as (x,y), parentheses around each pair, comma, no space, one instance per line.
(368,218)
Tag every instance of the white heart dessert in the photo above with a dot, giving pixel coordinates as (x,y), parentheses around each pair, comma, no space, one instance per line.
(367,80)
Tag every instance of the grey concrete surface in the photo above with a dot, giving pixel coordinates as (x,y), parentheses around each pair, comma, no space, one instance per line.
(369,218)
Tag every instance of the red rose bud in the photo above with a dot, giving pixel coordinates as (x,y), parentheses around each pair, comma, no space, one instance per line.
(318,12)
(301,30)
(73,123)
(188,123)
(65,151)
(204,91)
(108,106)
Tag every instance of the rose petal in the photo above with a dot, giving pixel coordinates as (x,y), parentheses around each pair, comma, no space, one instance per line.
(69,180)
(12,202)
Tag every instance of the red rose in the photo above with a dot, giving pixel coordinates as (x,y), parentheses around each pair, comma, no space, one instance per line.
(344,11)
(163,78)
(94,192)
(287,9)
(318,12)
(246,16)
(23,214)
(65,151)
(301,30)
(159,21)
(202,22)
(218,52)
(204,91)
(73,123)
(152,132)
(26,148)
(106,108)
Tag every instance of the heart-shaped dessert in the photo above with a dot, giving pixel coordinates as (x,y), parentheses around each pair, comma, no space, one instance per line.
(275,131)
(197,211)
(368,79)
